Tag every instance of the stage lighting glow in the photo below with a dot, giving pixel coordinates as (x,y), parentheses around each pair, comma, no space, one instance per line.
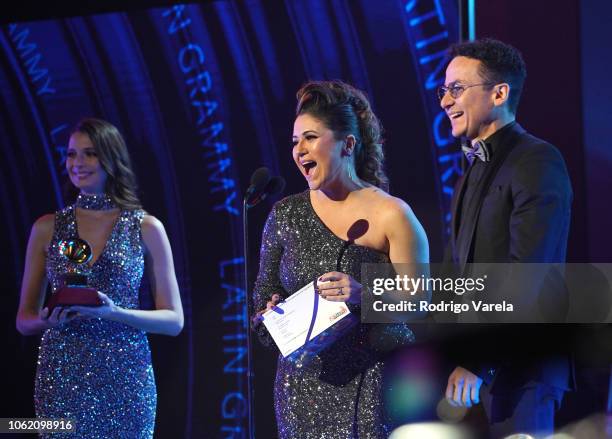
(594,427)
(560,436)
(408,397)
(431,430)
(412,389)
(519,436)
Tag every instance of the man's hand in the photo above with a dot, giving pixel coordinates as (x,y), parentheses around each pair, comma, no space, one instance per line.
(463,388)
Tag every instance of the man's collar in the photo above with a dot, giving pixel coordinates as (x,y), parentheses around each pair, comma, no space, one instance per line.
(495,139)
(484,150)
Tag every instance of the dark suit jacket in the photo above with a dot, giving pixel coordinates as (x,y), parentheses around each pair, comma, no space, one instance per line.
(521,213)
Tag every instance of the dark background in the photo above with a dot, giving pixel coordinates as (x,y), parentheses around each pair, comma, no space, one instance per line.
(197,129)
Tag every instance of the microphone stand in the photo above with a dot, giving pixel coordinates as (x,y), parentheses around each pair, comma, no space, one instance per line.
(249,305)
(261,187)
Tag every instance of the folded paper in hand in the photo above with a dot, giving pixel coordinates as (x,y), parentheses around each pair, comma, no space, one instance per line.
(296,324)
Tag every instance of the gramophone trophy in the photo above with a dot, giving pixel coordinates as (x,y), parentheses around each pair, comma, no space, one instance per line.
(75,290)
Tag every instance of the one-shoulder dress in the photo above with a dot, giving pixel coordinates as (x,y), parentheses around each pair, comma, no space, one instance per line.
(339,394)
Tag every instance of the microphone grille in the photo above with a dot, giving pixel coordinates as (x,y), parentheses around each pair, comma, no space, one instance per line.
(260,178)
(275,186)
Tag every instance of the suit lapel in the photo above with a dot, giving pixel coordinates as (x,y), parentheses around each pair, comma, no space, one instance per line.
(455,203)
(470,213)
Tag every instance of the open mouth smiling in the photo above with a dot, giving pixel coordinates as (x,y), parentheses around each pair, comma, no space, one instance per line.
(308,166)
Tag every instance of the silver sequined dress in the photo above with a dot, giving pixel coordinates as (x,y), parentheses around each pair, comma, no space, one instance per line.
(339,394)
(96,371)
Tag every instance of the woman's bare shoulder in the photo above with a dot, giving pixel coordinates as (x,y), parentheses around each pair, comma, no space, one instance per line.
(42,230)
(153,231)
(393,214)
(151,222)
(386,205)
(44,225)
(151,226)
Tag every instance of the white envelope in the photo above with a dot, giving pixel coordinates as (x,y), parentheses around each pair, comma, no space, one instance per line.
(291,323)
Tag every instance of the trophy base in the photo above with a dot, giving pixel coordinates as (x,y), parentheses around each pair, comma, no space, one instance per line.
(75,280)
(67,296)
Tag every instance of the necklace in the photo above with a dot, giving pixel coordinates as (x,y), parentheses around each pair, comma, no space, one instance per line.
(95,202)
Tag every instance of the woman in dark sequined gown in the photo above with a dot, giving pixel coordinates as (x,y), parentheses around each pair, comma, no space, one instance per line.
(94,364)
(345,219)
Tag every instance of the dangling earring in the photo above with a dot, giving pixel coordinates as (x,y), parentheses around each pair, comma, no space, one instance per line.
(349,167)
(350,170)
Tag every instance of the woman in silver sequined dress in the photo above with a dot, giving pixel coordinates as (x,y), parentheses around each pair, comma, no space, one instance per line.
(94,364)
(345,219)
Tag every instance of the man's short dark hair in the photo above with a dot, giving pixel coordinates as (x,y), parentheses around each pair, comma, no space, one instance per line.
(500,62)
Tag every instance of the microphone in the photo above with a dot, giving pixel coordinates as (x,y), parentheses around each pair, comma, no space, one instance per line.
(275,186)
(259,180)
(263,186)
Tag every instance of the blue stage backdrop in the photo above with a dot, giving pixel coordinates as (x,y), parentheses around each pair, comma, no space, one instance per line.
(204,94)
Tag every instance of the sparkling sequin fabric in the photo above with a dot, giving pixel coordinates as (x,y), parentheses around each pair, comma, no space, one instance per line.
(95,202)
(96,371)
(338,395)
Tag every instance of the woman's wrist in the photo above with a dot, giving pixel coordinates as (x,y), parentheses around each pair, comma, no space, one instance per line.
(117,314)
(40,324)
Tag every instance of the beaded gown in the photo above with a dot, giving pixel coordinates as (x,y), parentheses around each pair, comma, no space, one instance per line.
(96,371)
(339,393)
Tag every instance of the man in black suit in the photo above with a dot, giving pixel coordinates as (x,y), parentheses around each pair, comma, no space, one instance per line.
(511,205)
